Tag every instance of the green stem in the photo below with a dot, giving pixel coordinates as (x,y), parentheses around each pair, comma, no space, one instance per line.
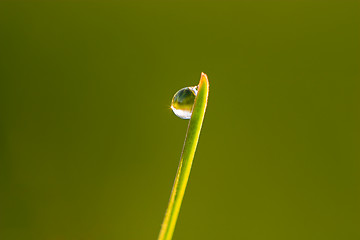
(187,156)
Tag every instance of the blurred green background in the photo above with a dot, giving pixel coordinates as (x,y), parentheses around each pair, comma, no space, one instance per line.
(89,146)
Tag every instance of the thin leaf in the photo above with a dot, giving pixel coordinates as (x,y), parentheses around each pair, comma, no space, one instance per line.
(186,160)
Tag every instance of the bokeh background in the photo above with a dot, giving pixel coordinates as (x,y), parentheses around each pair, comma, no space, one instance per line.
(89,146)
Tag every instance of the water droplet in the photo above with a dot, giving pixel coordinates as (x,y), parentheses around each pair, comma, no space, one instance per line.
(183,101)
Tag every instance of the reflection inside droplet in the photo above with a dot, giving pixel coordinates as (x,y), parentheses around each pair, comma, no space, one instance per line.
(183,101)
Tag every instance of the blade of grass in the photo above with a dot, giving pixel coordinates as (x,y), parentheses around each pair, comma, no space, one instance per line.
(186,159)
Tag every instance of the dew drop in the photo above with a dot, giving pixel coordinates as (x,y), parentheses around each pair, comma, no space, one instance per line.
(183,101)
